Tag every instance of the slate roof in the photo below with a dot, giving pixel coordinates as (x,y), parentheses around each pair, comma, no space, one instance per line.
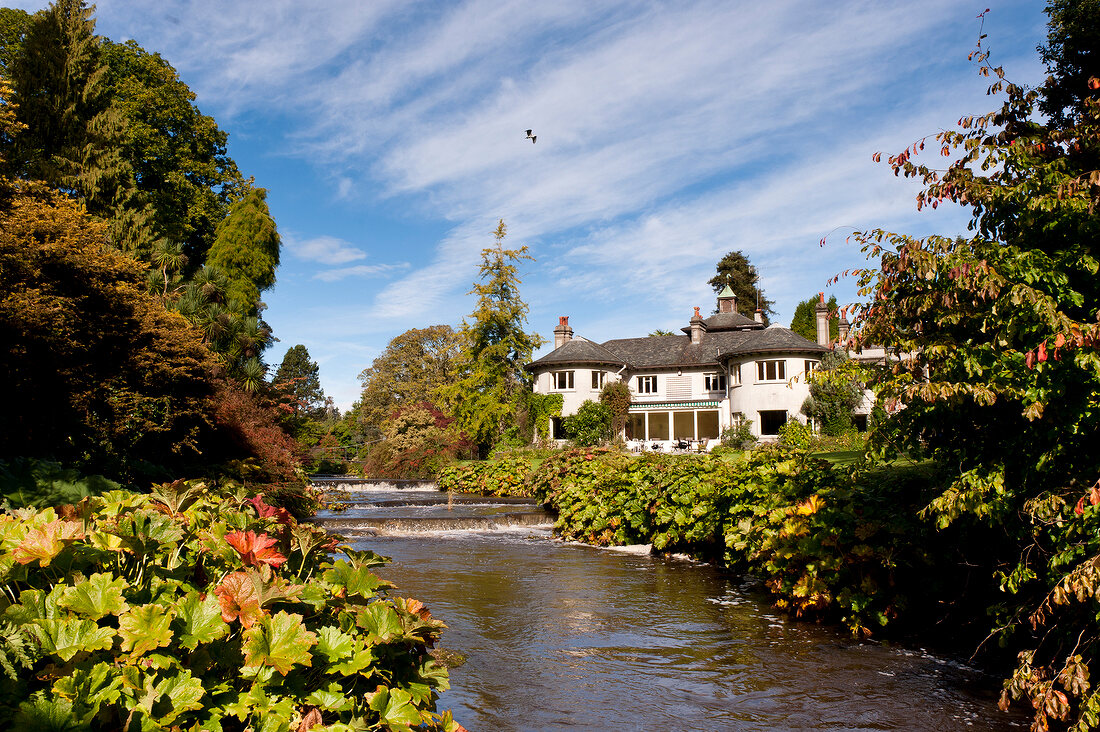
(727,321)
(655,352)
(579,350)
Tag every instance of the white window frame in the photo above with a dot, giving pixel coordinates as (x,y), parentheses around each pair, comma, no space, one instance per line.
(562,380)
(714,381)
(811,366)
(599,378)
(647,384)
(771,370)
(735,375)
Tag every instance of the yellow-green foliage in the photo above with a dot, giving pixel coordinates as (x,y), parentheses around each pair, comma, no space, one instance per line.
(193,608)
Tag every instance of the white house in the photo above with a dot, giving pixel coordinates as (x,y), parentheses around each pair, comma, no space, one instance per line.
(724,369)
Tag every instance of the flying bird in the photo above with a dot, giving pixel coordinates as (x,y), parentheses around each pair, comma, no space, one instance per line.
(531,137)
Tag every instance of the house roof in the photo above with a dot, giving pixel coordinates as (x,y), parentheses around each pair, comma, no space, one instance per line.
(664,351)
(579,350)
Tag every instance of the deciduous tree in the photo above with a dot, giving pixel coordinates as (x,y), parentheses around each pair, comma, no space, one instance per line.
(98,372)
(1000,373)
(414,365)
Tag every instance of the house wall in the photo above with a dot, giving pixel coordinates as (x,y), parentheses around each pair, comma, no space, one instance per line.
(749,398)
(582,390)
(754,396)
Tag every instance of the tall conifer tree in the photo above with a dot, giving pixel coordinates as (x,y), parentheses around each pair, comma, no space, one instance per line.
(496,347)
(246,249)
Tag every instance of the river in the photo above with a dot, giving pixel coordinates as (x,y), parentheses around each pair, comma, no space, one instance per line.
(562,636)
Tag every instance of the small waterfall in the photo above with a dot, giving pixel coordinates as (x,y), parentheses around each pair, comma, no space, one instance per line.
(391,507)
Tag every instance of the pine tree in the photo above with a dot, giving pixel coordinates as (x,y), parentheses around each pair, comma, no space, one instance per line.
(73,132)
(246,248)
(735,271)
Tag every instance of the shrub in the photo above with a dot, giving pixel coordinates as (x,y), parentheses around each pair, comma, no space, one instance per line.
(591,424)
(739,435)
(796,434)
(197,608)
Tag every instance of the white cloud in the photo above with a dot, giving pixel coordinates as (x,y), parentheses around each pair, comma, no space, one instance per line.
(360,270)
(668,134)
(324,249)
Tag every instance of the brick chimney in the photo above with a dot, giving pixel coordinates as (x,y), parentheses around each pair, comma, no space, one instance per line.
(563,333)
(697,327)
(822,321)
(842,328)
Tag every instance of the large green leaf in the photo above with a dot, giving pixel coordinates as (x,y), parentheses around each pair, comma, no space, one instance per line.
(96,596)
(381,621)
(88,689)
(354,580)
(395,708)
(200,620)
(172,695)
(66,637)
(145,628)
(344,653)
(332,698)
(279,641)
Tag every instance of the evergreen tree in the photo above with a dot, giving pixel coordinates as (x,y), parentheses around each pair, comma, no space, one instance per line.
(299,376)
(483,399)
(73,133)
(804,322)
(735,271)
(246,249)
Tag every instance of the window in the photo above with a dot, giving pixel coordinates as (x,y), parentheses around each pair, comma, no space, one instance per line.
(714,382)
(771,370)
(771,420)
(647,384)
(735,375)
(708,424)
(598,379)
(810,366)
(658,425)
(562,380)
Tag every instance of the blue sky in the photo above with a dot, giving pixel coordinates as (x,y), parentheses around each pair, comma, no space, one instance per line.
(390,136)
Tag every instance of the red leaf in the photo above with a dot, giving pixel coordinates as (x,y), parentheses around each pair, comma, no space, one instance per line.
(239,599)
(255,549)
(1043,351)
(1080,509)
(265,511)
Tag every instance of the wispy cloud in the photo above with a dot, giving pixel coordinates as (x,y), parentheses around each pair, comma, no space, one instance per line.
(668,134)
(359,270)
(324,249)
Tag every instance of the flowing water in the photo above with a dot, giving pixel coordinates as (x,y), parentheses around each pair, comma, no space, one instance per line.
(568,637)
